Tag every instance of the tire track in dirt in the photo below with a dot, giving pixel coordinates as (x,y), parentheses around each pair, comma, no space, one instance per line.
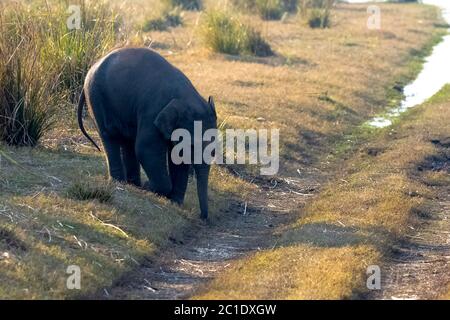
(182,268)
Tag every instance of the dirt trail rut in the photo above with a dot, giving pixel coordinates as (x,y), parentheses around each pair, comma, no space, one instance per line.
(420,265)
(418,269)
(243,229)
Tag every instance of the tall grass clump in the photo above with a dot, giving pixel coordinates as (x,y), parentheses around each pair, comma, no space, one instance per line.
(26,90)
(267,9)
(90,190)
(291,5)
(73,51)
(317,13)
(319,18)
(225,33)
(168,19)
(43,63)
(270,9)
(184,4)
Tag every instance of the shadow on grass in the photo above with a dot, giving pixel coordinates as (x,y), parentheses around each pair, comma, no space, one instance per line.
(328,235)
(274,61)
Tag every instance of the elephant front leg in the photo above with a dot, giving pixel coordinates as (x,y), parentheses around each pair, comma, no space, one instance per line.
(155,167)
(179,175)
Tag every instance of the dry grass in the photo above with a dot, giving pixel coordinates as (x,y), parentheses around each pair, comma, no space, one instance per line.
(304,90)
(446,296)
(166,20)
(354,220)
(104,239)
(288,90)
(297,272)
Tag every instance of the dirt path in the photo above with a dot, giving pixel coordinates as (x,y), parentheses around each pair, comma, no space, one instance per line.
(420,266)
(245,228)
(418,269)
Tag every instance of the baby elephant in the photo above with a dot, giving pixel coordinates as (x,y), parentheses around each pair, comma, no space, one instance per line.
(137,100)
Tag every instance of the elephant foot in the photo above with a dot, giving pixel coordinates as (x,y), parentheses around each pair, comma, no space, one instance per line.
(148,187)
(177,202)
(205,221)
(136,183)
(177,199)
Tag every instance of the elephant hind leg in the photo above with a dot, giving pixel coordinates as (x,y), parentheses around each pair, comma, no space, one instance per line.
(114,159)
(131,164)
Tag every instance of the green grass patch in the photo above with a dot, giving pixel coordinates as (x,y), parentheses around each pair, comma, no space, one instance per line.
(185,4)
(26,91)
(319,18)
(90,190)
(442,96)
(225,33)
(165,21)
(43,63)
(267,9)
(317,13)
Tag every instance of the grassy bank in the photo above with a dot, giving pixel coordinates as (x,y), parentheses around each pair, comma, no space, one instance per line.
(304,90)
(385,189)
(43,230)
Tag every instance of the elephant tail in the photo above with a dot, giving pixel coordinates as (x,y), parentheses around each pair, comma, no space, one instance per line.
(80,119)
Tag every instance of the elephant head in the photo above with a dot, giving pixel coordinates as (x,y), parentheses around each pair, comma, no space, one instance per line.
(187,114)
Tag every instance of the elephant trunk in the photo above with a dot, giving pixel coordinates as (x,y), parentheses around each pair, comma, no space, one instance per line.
(202,175)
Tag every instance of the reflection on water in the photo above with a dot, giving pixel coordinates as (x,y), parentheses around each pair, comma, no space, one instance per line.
(434,75)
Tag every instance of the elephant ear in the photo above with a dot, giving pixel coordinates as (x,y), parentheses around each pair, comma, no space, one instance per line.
(168,119)
(212,105)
